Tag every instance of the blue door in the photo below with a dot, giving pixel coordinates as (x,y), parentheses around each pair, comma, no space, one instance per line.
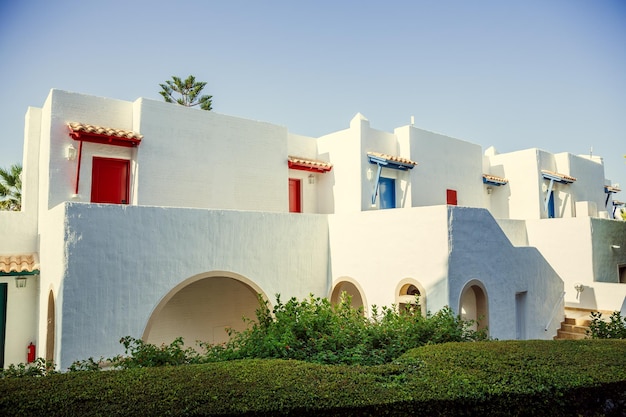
(551,206)
(387,189)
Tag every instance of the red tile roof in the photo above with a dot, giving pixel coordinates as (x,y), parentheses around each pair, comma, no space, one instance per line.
(496,179)
(106,131)
(306,164)
(393,158)
(104,135)
(556,174)
(14,264)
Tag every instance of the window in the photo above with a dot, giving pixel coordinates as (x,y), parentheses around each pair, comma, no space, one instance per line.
(451,197)
(622,274)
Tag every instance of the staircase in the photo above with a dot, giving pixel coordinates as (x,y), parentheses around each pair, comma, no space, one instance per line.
(573,328)
(577,323)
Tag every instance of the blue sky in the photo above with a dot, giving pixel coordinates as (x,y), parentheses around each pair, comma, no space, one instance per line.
(515,75)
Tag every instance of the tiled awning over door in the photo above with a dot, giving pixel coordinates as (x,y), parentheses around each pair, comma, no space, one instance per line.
(20,264)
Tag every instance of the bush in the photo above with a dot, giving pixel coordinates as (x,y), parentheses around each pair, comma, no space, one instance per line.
(40,367)
(311,330)
(495,378)
(314,330)
(615,328)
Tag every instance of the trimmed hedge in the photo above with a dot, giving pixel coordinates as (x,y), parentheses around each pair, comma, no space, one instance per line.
(499,378)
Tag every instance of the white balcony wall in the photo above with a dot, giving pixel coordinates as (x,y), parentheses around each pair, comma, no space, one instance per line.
(444,163)
(201,159)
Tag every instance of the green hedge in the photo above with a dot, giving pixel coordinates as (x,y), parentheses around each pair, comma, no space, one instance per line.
(556,378)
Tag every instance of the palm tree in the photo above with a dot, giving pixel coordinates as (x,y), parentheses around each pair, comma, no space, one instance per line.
(189,91)
(11,188)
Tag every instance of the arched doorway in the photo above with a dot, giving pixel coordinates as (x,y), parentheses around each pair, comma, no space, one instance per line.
(203,309)
(474,305)
(409,293)
(50,328)
(351,289)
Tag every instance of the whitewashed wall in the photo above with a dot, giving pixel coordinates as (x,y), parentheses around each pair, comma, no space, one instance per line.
(19,229)
(55,239)
(579,249)
(21,320)
(589,185)
(443,248)
(379,249)
(373,140)
(122,260)
(19,235)
(481,251)
(195,158)
(443,163)
(343,186)
(58,174)
(188,157)
(306,147)
(521,197)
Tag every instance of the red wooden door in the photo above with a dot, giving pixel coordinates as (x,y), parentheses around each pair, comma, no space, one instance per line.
(110,180)
(295,201)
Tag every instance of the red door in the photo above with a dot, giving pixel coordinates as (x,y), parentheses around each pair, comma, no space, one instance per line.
(110,180)
(295,201)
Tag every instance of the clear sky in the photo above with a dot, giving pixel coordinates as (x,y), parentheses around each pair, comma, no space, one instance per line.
(549,74)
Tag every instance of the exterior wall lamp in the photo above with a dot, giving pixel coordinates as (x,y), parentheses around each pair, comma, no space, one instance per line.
(311,179)
(489,190)
(579,288)
(615,246)
(20,281)
(70,152)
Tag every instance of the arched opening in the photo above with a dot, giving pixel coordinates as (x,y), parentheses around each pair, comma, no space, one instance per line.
(474,305)
(351,289)
(410,296)
(203,309)
(50,328)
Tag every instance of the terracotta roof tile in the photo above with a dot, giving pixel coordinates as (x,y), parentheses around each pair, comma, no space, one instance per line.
(556,174)
(19,263)
(393,158)
(313,164)
(107,131)
(611,189)
(495,179)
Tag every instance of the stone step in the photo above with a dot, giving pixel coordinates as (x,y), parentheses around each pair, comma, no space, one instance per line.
(563,335)
(577,321)
(574,328)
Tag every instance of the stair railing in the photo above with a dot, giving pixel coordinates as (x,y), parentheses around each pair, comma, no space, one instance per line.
(556,305)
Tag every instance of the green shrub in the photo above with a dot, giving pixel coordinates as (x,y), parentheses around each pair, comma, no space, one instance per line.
(314,330)
(495,378)
(615,328)
(311,330)
(40,367)
(139,354)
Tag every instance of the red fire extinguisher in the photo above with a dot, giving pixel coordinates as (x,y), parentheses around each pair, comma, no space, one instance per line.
(30,353)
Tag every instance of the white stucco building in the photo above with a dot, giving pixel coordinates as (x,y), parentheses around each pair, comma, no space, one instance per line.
(154,220)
